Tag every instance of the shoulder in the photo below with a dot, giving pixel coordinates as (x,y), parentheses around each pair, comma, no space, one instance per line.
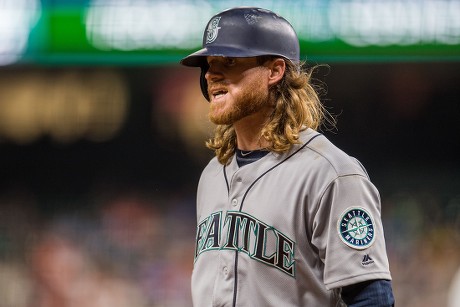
(328,155)
(213,167)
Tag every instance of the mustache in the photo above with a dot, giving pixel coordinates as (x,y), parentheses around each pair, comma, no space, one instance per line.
(216,86)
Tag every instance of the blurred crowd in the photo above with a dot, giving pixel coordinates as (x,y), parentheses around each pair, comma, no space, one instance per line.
(129,249)
(135,248)
(423,243)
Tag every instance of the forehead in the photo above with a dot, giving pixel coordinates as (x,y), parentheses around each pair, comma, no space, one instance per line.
(211,59)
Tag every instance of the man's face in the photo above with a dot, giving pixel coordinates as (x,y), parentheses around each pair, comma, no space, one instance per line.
(237,87)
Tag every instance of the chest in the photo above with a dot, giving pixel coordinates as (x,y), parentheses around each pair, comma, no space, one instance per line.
(263,211)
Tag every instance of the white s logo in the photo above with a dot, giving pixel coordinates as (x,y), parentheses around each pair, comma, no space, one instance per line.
(213,30)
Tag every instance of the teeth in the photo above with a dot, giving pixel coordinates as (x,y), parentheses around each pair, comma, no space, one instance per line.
(219,93)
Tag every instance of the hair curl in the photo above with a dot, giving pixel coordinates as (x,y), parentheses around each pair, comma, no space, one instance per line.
(297,107)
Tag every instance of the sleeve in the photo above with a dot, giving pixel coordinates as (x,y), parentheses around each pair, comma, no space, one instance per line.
(348,232)
(373,293)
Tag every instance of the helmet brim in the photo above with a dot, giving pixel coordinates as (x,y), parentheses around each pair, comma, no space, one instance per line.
(198,58)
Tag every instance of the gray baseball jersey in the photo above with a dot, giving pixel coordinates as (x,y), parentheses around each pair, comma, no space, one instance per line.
(287,230)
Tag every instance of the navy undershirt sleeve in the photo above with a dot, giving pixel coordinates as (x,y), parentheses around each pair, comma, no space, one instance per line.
(372,293)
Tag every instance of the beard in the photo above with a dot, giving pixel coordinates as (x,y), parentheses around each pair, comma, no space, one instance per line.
(249,100)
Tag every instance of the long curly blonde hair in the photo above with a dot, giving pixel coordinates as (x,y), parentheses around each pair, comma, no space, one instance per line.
(297,106)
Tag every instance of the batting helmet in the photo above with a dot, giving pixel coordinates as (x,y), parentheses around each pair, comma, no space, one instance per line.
(244,32)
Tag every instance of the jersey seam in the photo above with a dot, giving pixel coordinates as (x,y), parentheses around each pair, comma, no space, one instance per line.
(333,166)
(327,187)
(317,205)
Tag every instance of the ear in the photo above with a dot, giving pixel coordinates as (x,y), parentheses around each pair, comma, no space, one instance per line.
(277,68)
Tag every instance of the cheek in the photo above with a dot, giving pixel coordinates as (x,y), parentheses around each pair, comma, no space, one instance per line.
(245,85)
(257,80)
(255,84)
(235,92)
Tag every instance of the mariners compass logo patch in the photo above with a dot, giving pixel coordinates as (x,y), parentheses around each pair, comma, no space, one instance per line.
(356,228)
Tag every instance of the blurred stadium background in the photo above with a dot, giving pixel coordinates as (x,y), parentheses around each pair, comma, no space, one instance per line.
(102,133)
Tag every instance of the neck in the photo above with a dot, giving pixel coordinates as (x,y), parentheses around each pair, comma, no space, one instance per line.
(248,132)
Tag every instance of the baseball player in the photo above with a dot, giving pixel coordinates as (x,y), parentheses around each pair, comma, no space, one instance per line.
(284,218)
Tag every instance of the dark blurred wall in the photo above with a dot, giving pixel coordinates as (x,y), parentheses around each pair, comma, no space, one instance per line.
(394,117)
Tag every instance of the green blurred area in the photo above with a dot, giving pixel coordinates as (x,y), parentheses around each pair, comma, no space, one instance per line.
(62,33)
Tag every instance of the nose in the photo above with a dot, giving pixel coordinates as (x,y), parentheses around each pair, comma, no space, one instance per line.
(214,72)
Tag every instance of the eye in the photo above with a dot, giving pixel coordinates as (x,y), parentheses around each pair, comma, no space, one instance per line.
(230,61)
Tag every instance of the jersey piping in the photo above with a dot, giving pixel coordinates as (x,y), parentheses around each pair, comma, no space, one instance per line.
(235,285)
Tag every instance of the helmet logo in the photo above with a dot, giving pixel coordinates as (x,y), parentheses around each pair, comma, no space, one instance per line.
(212,30)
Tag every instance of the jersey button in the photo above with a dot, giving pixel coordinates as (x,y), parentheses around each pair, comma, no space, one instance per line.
(225,271)
(234,202)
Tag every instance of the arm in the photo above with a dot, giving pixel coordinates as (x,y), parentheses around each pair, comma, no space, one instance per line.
(372,293)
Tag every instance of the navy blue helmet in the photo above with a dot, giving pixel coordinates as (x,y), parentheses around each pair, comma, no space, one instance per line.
(244,32)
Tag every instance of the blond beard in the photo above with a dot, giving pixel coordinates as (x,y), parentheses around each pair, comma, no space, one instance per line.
(249,101)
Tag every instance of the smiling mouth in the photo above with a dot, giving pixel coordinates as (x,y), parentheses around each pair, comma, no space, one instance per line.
(216,94)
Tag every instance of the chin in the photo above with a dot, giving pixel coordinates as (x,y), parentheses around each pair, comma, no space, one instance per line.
(218,120)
